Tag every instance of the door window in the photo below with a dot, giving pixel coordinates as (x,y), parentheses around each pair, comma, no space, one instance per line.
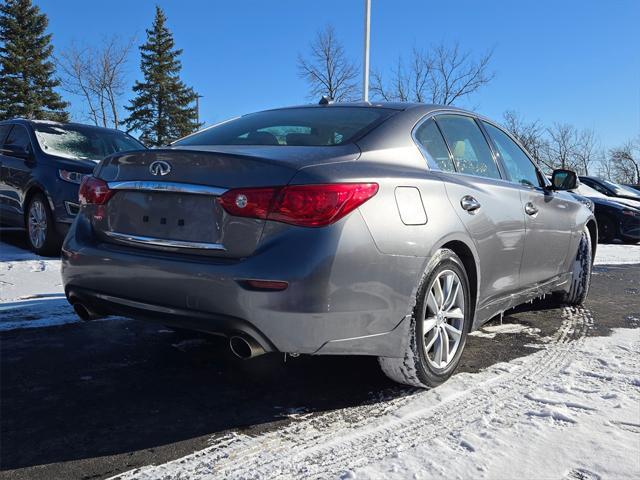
(430,138)
(4,129)
(519,167)
(18,137)
(470,149)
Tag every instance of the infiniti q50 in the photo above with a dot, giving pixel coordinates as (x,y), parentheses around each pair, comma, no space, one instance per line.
(390,230)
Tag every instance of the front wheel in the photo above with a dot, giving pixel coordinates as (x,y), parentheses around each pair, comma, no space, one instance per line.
(581,271)
(606,229)
(439,325)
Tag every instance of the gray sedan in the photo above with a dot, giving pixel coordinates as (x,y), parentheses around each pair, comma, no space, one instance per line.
(385,229)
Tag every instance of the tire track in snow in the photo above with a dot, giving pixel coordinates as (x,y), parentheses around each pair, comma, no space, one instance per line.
(326,445)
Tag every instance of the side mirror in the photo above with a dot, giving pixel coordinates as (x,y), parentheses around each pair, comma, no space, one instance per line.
(564,179)
(16,151)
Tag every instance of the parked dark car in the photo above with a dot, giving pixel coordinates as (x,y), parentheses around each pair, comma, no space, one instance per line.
(41,167)
(616,217)
(386,229)
(635,186)
(610,189)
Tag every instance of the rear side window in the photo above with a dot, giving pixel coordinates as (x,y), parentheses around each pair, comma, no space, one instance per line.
(596,186)
(18,137)
(313,126)
(519,168)
(469,147)
(429,137)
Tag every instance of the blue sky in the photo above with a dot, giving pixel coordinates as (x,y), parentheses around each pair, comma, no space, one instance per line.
(575,61)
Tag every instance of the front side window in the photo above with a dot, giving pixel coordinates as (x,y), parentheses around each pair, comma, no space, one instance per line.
(431,140)
(4,130)
(79,142)
(470,150)
(18,137)
(308,126)
(519,168)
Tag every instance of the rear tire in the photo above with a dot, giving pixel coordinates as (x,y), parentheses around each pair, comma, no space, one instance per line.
(581,277)
(42,236)
(439,325)
(606,230)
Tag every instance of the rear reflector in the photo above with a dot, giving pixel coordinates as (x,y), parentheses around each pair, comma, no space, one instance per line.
(94,191)
(272,285)
(304,205)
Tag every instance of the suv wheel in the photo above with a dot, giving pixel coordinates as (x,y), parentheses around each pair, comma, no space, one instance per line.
(439,325)
(41,232)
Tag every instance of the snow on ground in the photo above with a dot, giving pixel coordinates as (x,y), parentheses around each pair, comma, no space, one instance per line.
(569,411)
(581,424)
(31,293)
(24,275)
(612,254)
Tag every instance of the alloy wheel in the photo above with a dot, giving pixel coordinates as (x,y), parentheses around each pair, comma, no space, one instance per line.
(443,321)
(37,224)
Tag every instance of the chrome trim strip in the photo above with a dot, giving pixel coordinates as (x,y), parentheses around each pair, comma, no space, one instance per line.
(167,187)
(161,242)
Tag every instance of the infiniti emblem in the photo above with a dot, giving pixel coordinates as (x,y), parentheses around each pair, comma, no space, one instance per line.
(160,167)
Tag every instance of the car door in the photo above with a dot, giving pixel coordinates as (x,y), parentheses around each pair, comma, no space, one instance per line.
(6,213)
(488,206)
(15,172)
(550,217)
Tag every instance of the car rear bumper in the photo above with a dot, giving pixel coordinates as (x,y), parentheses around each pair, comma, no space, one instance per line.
(343,295)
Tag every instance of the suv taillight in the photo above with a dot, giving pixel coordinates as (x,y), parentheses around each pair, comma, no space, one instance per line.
(303,205)
(94,191)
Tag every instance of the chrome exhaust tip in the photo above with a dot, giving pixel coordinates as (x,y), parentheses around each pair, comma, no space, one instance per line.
(84,312)
(245,347)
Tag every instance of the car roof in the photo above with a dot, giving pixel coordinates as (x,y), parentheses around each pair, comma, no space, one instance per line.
(26,121)
(400,106)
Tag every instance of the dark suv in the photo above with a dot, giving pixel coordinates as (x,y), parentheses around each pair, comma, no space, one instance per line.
(41,167)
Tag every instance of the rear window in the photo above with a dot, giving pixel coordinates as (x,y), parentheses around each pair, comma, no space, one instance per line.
(314,126)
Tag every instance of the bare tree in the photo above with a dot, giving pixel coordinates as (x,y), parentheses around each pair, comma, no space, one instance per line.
(407,83)
(444,75)
(625,162)
(586,150)
(327,69)
(529,134)
(605,169)
(561,146)
(97,75)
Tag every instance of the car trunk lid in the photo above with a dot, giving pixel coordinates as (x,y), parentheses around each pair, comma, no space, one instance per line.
(167,199)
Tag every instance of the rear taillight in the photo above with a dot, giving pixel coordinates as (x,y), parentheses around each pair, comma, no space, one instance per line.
(304,205)
(94,191)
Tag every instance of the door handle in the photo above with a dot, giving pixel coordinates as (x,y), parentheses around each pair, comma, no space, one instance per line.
(530,209)
(469,204)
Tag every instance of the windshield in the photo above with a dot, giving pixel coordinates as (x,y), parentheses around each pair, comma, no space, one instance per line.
(313,126)
(78,142)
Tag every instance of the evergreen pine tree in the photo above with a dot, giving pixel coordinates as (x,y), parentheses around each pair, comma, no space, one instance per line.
(27,79)
(164,107)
